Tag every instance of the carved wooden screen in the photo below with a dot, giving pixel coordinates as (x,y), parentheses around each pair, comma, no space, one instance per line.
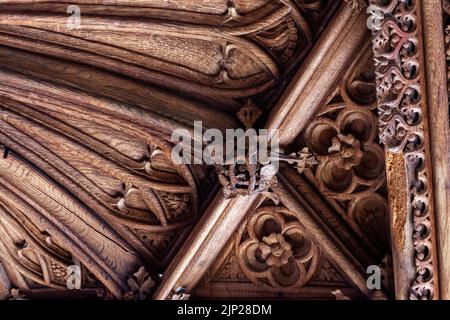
(92,91)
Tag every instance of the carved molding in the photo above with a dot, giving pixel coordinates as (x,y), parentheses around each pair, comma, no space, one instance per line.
(398,52)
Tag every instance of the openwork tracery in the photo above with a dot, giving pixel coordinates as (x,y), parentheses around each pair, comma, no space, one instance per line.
(401,104)
(273,248)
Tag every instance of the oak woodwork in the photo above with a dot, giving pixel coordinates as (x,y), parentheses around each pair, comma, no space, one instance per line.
(438,113)
(86,174)
(404,127)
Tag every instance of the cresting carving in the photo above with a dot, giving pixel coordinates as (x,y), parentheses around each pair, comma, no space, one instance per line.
(244,177)
(397,52)
(274,249)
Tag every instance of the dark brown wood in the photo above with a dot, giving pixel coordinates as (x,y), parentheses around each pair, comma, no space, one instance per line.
(88,106)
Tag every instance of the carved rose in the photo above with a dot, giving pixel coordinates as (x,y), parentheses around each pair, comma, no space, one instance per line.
(346,151)
(275,251)
(351,163)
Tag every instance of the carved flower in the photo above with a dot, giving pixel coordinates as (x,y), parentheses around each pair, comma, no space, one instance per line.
(346,151)
(351,163)
(275,250)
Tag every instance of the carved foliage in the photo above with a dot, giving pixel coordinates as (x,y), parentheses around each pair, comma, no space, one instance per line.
(397,52)
(351,163)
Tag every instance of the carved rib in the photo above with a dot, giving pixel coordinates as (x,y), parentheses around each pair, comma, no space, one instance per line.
(334,249)
(342,38)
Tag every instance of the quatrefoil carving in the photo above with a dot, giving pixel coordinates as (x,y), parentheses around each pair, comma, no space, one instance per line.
(273,248)
(351,163)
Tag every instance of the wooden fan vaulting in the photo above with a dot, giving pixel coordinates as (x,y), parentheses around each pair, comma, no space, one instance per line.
(87,179)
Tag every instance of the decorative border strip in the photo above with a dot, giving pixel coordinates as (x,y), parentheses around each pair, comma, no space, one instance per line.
(446,17)
(402,109)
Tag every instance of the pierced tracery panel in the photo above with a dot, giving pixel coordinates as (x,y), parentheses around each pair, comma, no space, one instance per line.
(272,256)
(351,170)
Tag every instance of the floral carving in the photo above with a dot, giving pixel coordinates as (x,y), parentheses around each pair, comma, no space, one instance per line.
(346,151)
(350,162)
(140,284)
(273,248)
